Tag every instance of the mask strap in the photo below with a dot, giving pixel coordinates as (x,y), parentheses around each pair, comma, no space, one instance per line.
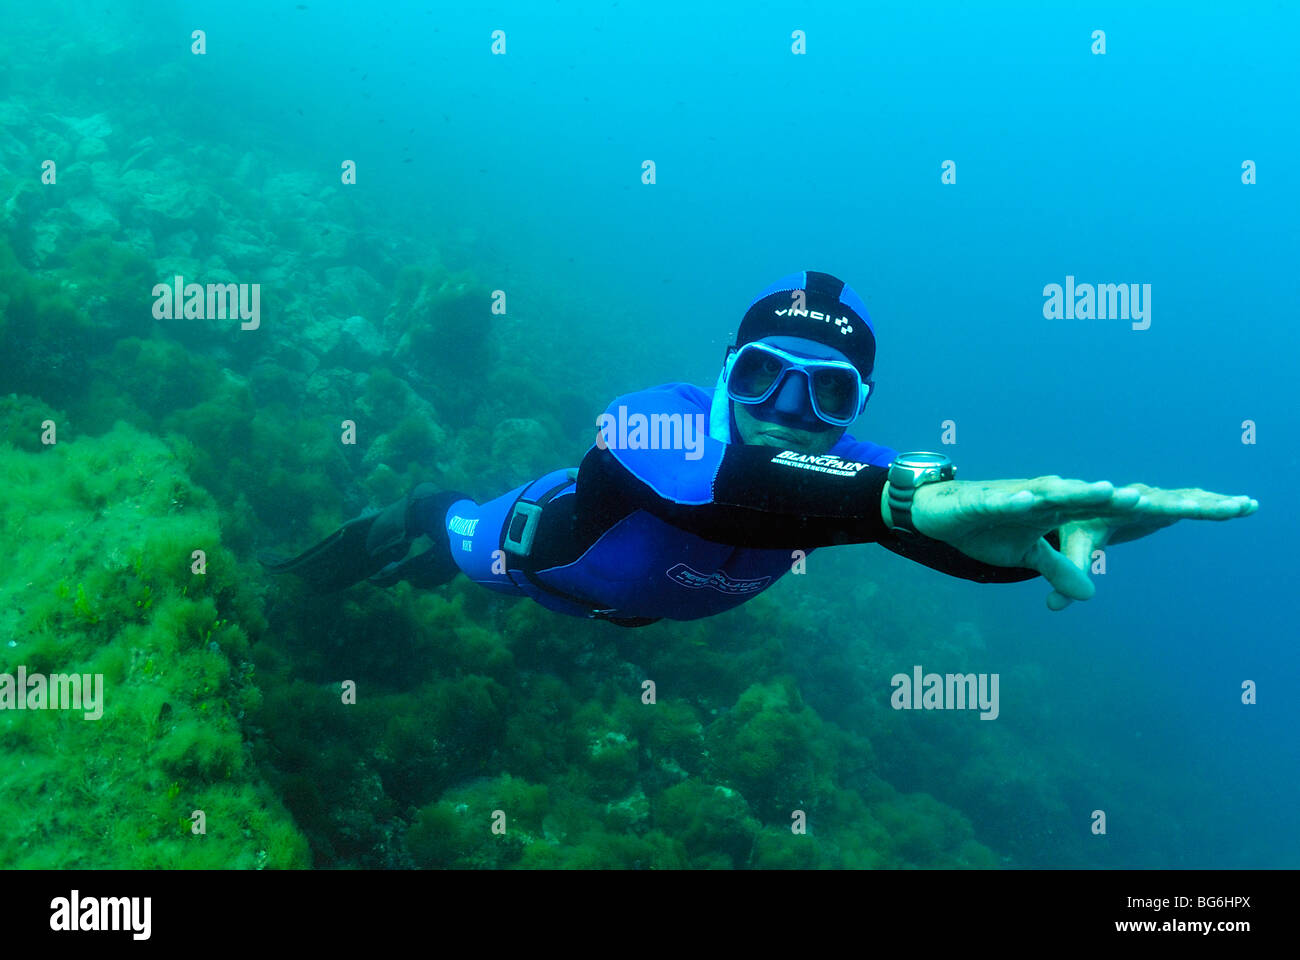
(720,410)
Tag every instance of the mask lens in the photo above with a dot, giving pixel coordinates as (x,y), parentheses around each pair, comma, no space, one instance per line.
(836,390)
(754,374)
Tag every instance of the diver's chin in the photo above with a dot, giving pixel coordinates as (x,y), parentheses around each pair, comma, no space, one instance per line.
(784,441)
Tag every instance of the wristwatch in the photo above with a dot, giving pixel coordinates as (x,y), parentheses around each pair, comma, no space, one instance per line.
(906,473)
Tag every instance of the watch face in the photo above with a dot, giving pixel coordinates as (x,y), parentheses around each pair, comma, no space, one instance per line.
(923,460)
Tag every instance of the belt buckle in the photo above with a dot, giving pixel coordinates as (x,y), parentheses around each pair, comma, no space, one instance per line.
(522,528)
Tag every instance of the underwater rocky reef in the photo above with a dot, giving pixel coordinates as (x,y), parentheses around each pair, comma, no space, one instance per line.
(224,689)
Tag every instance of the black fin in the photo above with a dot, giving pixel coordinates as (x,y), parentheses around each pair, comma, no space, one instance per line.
(338,561)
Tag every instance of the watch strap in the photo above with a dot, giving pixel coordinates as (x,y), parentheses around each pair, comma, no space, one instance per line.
(903,479)
(900,508)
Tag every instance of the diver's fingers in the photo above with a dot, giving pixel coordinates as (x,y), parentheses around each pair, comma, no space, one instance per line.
(1063,575)
(1052,501)
(1193,503)
(1058,601)
(1080,540)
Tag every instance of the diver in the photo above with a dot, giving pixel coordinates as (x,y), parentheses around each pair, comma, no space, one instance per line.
(651,526)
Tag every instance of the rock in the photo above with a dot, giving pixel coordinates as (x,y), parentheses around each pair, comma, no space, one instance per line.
(322,336)
(95,126)
(323,391)
(46,240)
(361,338)
(348,289)
(522,449)
(394,448)
(243,250)
(76,179)
(173,265)
(91,148)
(181,243)
(174,202)
(93,214)
(15,114)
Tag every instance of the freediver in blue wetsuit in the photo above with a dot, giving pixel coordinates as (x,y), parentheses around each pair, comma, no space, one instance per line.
(690,503)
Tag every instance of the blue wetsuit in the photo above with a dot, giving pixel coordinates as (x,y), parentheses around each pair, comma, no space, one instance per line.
(681,533)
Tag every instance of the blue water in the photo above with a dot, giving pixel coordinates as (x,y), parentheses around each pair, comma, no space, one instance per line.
(1117,168)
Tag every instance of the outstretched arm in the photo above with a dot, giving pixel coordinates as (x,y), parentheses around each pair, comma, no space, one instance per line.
(752,496)
(1004,522)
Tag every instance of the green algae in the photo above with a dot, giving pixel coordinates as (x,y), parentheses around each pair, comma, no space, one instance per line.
(223,699)
(43,333)
(103,531)
(459,689)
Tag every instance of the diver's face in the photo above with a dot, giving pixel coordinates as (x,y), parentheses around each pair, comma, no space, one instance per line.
(786,418)
(786,432)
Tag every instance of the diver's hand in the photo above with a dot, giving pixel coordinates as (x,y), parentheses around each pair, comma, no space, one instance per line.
(1157,509)
(1003,522)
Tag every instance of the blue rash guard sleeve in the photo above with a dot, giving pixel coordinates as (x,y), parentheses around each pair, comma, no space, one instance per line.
(747,496)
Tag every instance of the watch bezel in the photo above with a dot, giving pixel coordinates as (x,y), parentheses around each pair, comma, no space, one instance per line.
(922,466)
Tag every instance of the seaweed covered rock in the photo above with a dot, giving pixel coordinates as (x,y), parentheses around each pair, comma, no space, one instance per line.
(158,376)
(485,824)
(44,334)
(113,283)
(713,822)
(671,737)
(773,749)
(23,421)
(445,334)
(124,579)
(522,449)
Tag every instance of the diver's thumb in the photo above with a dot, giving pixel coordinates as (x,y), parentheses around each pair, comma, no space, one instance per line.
(1057,600)
(1067,578)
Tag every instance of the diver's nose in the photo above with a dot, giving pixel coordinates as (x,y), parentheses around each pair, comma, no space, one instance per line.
(792,396)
